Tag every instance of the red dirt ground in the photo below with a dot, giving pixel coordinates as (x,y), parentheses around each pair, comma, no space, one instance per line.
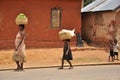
(52,57)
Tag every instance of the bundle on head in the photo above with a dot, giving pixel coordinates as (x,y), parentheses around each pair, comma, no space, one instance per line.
(66,34)
(21,19)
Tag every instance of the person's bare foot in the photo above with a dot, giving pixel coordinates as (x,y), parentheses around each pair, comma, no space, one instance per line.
(70,68)
(60,68)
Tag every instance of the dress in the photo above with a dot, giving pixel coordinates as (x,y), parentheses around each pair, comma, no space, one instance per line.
(19,55)
(67,56)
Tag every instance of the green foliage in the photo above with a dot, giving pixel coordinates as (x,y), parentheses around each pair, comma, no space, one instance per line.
(86,2)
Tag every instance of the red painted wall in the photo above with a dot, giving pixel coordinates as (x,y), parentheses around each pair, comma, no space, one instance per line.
(38,30)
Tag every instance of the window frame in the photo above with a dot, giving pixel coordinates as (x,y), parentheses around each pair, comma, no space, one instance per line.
(55,15)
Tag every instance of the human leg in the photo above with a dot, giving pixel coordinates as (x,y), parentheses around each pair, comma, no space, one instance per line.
(62,64)
(112,58)
(117,57)
(108,58)
(18,66)
(21,67)
(70,64)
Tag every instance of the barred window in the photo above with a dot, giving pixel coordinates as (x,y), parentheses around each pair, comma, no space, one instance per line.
(55,18)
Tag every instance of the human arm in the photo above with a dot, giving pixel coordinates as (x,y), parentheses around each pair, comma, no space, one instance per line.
(68,49)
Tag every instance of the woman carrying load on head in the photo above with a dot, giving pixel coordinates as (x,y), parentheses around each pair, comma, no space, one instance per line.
(67,54)
(19,55)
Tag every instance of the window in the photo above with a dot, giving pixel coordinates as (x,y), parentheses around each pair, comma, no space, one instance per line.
(55,18)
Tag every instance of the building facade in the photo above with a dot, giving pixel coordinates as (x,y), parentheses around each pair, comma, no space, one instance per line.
(101,22)
(45,19)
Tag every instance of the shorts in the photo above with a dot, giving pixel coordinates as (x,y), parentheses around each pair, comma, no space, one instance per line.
(111,53)
(115,53)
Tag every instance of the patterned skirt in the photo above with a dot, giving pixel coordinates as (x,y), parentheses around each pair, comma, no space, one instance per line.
(19,55)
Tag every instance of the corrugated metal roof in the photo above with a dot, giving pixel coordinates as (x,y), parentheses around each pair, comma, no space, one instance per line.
(101,5)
